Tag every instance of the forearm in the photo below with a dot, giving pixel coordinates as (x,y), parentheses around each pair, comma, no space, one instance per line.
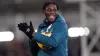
(33,48)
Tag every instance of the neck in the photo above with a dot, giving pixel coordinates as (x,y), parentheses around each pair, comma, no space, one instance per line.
(49,23)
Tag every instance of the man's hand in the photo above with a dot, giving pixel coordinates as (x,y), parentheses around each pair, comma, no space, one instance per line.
(28,30)
(23,27)
(31,28)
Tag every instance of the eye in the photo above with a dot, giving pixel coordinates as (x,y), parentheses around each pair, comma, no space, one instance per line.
(54,10)
(47,10)
(50,10)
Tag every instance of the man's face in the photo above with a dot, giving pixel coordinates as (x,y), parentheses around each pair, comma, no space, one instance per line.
(51,12)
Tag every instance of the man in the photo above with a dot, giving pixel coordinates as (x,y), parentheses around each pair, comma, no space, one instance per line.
(52,35)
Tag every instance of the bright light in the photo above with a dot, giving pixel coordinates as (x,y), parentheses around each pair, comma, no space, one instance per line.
(78,31)
(35,30)
(87,31)
(73,32)
(82,32)
(6,36)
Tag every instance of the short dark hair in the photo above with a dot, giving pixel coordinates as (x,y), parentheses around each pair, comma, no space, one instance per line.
(47,4)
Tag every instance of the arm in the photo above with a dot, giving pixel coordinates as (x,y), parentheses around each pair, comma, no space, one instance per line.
(59,34)
(33,47)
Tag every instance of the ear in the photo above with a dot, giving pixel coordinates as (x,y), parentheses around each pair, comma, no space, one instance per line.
(43,11)
(57,12)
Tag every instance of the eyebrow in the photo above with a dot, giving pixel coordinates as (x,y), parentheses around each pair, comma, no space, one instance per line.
(50,8)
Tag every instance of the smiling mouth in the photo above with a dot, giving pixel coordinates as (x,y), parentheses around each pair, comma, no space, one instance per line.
(51,17)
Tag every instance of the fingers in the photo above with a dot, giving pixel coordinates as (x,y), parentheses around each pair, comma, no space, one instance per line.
(20,25)
(30,23)
(26,24)
(31,26)
(23,26)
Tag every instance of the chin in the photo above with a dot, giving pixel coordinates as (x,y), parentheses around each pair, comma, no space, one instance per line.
(51,21)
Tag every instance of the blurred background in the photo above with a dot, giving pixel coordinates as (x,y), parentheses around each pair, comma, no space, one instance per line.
(82,17)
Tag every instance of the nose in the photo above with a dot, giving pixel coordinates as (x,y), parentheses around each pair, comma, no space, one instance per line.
(52,12)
